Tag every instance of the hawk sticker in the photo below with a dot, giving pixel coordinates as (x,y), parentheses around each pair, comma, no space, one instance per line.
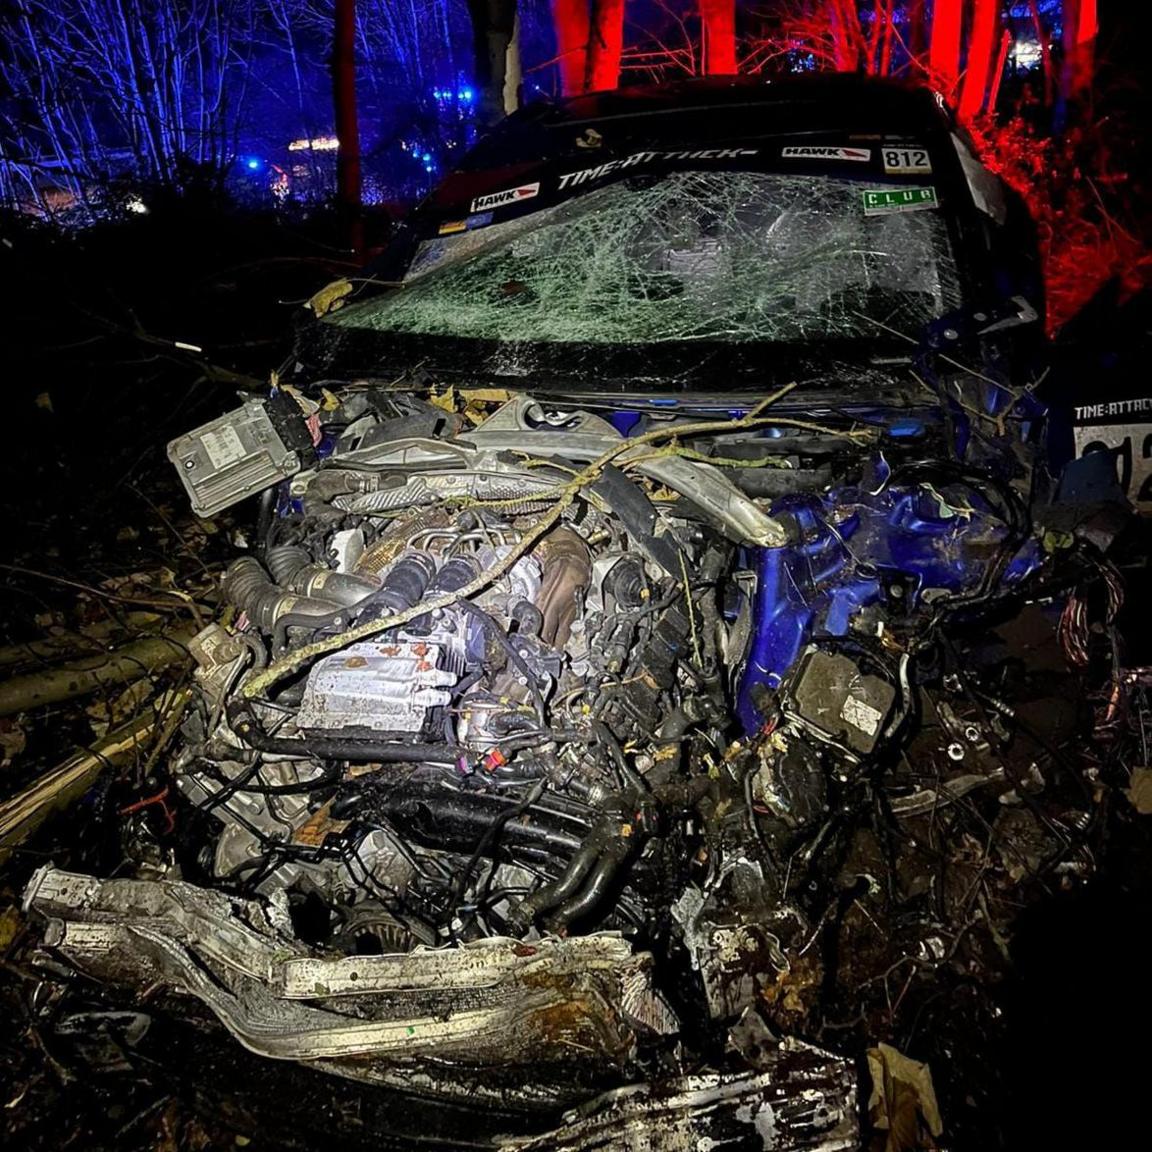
(508,196)
(811,152)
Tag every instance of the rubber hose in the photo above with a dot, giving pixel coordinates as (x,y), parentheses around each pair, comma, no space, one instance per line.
(597,886)
(247,586)
(293,568)
(583,860)
(285,560)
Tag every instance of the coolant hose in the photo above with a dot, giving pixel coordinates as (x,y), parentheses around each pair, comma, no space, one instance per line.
(598,844)
(595,889)
(669,755)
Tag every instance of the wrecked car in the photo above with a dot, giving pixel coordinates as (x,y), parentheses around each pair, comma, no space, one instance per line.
(629,538)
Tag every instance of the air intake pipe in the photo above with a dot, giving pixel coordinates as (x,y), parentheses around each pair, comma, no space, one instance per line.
(247,586)
(292,567)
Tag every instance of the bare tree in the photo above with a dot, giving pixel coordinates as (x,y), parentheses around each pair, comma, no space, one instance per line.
(496,49)
(605,44)
(944,43)
(570,22)
(348,175)
(106,87)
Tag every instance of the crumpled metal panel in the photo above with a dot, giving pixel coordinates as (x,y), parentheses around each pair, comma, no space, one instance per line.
(498,1001)
(804,1101)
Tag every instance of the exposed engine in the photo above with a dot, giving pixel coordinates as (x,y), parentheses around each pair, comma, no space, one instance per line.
(513,730)
(599,713)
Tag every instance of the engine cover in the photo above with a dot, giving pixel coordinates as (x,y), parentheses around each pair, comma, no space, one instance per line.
(382,687)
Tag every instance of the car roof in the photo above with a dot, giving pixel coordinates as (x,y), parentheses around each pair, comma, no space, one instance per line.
(733,107)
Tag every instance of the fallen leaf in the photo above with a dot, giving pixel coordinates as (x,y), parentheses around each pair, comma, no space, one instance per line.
(1140,791)
(902,1108)
(10,924)
(330,297)
(313,831)
(12,741)
(445,401)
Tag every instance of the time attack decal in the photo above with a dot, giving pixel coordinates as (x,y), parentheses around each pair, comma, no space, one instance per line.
(571,179)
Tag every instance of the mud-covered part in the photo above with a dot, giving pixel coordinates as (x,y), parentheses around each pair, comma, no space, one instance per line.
(804,1101)
(494,1002)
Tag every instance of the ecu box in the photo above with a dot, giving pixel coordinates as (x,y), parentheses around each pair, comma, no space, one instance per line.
(241,453)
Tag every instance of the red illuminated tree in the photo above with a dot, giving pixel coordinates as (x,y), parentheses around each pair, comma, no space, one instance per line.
(1080,28)
(605,44)
(718,36)
(981,48)
(570,19)
(590,42)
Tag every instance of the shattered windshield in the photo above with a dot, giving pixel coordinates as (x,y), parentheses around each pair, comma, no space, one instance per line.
(691,256)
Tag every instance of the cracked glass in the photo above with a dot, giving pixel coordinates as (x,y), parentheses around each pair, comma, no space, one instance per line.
(690,256)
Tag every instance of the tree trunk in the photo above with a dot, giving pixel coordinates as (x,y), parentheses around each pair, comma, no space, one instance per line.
(1080,26)
(944,45)
(981,46)
(92,673)
(887,39)
(718,33)
(513,74)
(917,34)
(570,22)
(348,178)
(1045,52)
(22,814)
(493,28)
(843,21)
(605,44)
(998,74)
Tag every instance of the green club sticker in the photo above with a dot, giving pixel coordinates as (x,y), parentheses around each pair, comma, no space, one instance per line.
(891,200)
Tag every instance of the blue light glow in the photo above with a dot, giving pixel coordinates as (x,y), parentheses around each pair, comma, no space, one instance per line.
(466,95)
(252,163)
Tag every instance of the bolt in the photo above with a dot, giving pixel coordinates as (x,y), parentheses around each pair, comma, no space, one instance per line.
(951,334)
(955,751)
